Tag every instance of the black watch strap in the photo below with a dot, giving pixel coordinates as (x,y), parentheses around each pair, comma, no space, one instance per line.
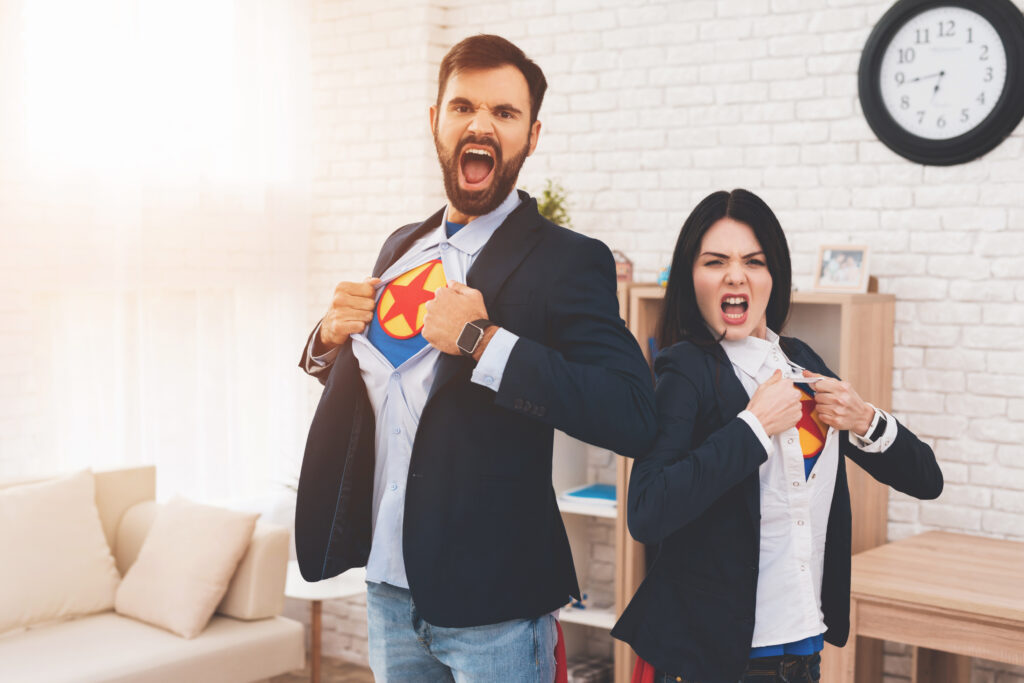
(879,428)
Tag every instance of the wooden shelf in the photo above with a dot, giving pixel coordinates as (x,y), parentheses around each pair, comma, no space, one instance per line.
(603,618)
(580,507)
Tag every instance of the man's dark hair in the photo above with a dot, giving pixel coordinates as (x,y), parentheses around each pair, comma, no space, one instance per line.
(681,319)
(490,52)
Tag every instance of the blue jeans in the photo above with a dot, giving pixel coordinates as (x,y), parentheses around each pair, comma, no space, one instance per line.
(403,647)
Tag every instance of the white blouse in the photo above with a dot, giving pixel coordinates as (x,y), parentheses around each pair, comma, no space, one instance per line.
(794,508)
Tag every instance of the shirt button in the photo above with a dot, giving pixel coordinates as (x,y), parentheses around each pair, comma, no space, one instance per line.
(396,375)
(803,568)
(394,486)
(799,522)
(796,483)
(789,441)
(444,246)
(396,430)
(488,380)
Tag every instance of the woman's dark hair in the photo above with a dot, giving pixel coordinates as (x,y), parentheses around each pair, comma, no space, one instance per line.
(490,52)
(681,319)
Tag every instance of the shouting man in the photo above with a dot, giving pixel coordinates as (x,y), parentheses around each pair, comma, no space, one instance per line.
(483,329)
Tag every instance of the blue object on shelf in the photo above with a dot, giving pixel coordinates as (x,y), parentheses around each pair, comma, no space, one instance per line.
(593,492)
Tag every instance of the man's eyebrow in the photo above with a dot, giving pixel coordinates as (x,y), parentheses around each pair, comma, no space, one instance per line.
(462,101)
(508,108)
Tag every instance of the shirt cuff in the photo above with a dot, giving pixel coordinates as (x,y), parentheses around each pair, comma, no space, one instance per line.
(882,443)
(755,426)
(315,364)
(492,363)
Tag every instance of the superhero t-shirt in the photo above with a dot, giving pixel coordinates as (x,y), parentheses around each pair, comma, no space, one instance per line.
(397,326)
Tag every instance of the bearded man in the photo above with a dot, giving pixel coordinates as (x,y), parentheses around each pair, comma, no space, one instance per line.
(483,329)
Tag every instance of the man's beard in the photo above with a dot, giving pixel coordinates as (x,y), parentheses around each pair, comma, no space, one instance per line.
(479,202)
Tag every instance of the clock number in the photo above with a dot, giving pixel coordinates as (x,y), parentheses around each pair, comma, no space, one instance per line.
(988,74)
(900,77)
(984,53)
(981,98)
(920,116)
(970,34)
(946,29)
(964,116)
(905,102)
(906,55)
(941,122)
(922,36)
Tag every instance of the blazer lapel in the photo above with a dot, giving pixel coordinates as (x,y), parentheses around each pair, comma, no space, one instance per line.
(502,254)
(733,400)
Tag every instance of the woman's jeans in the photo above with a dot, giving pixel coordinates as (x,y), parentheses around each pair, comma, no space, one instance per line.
(778,669)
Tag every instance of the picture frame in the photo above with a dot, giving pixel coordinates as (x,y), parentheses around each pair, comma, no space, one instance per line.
(842,268)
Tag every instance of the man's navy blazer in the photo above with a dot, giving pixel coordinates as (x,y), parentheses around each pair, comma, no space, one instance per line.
(697,494)
(483,539)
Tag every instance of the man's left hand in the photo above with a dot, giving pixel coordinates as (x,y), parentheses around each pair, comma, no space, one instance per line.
(840,406)
(448,312)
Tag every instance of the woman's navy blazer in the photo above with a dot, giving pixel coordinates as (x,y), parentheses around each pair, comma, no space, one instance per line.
(697,494)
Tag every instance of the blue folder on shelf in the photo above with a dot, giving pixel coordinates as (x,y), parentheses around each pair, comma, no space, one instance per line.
(603,494)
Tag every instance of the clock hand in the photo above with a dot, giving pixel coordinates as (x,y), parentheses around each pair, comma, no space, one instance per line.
(935,90)
(922,78)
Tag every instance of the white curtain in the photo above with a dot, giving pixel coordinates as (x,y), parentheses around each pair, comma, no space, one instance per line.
(154,219)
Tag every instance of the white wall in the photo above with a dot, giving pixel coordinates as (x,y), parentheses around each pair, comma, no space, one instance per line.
(653,105)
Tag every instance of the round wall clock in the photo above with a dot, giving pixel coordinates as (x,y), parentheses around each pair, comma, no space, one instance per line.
(941,82)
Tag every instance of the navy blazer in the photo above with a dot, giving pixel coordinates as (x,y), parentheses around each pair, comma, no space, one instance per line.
(483,540)
(697,494)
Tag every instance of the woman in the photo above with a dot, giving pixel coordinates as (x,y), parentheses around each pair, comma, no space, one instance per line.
(745,489)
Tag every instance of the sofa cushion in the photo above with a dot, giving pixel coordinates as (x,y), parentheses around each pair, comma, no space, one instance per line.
(184,566)
(57,563)
(256,590)
(114,649)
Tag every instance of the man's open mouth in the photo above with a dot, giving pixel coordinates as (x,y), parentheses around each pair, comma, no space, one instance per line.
(734,308)
(476,164)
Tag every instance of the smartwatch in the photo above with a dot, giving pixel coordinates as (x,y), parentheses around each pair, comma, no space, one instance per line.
(471,335)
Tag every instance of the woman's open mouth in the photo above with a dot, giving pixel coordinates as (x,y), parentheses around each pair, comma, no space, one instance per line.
(734,308)
(476,166)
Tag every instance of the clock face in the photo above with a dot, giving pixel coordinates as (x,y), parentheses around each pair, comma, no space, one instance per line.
(942,72)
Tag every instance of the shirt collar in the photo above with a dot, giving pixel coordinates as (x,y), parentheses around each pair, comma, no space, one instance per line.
(749,353)
(472,238)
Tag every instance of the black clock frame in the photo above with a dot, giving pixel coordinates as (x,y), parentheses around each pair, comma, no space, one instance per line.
(1001,121)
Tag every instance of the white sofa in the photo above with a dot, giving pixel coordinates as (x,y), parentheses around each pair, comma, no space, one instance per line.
(246,640)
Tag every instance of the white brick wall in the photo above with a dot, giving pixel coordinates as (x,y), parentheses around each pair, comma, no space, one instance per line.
(653,105)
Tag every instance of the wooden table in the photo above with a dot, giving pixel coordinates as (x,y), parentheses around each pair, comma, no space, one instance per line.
(346,585)
(950,596)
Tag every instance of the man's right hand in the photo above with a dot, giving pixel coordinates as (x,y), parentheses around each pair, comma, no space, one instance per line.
(776,404)
(350,311)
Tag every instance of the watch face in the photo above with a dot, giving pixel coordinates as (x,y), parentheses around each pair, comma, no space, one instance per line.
(469,338)
(943,72)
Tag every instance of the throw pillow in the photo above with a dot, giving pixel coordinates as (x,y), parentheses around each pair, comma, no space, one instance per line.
(56,562)
(184,566)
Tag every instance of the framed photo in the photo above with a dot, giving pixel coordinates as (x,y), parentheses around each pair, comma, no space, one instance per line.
(842,268)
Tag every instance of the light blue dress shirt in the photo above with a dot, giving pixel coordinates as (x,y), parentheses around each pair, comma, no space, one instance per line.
(398,395)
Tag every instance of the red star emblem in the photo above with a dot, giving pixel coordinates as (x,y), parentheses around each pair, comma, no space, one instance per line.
(407,301)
